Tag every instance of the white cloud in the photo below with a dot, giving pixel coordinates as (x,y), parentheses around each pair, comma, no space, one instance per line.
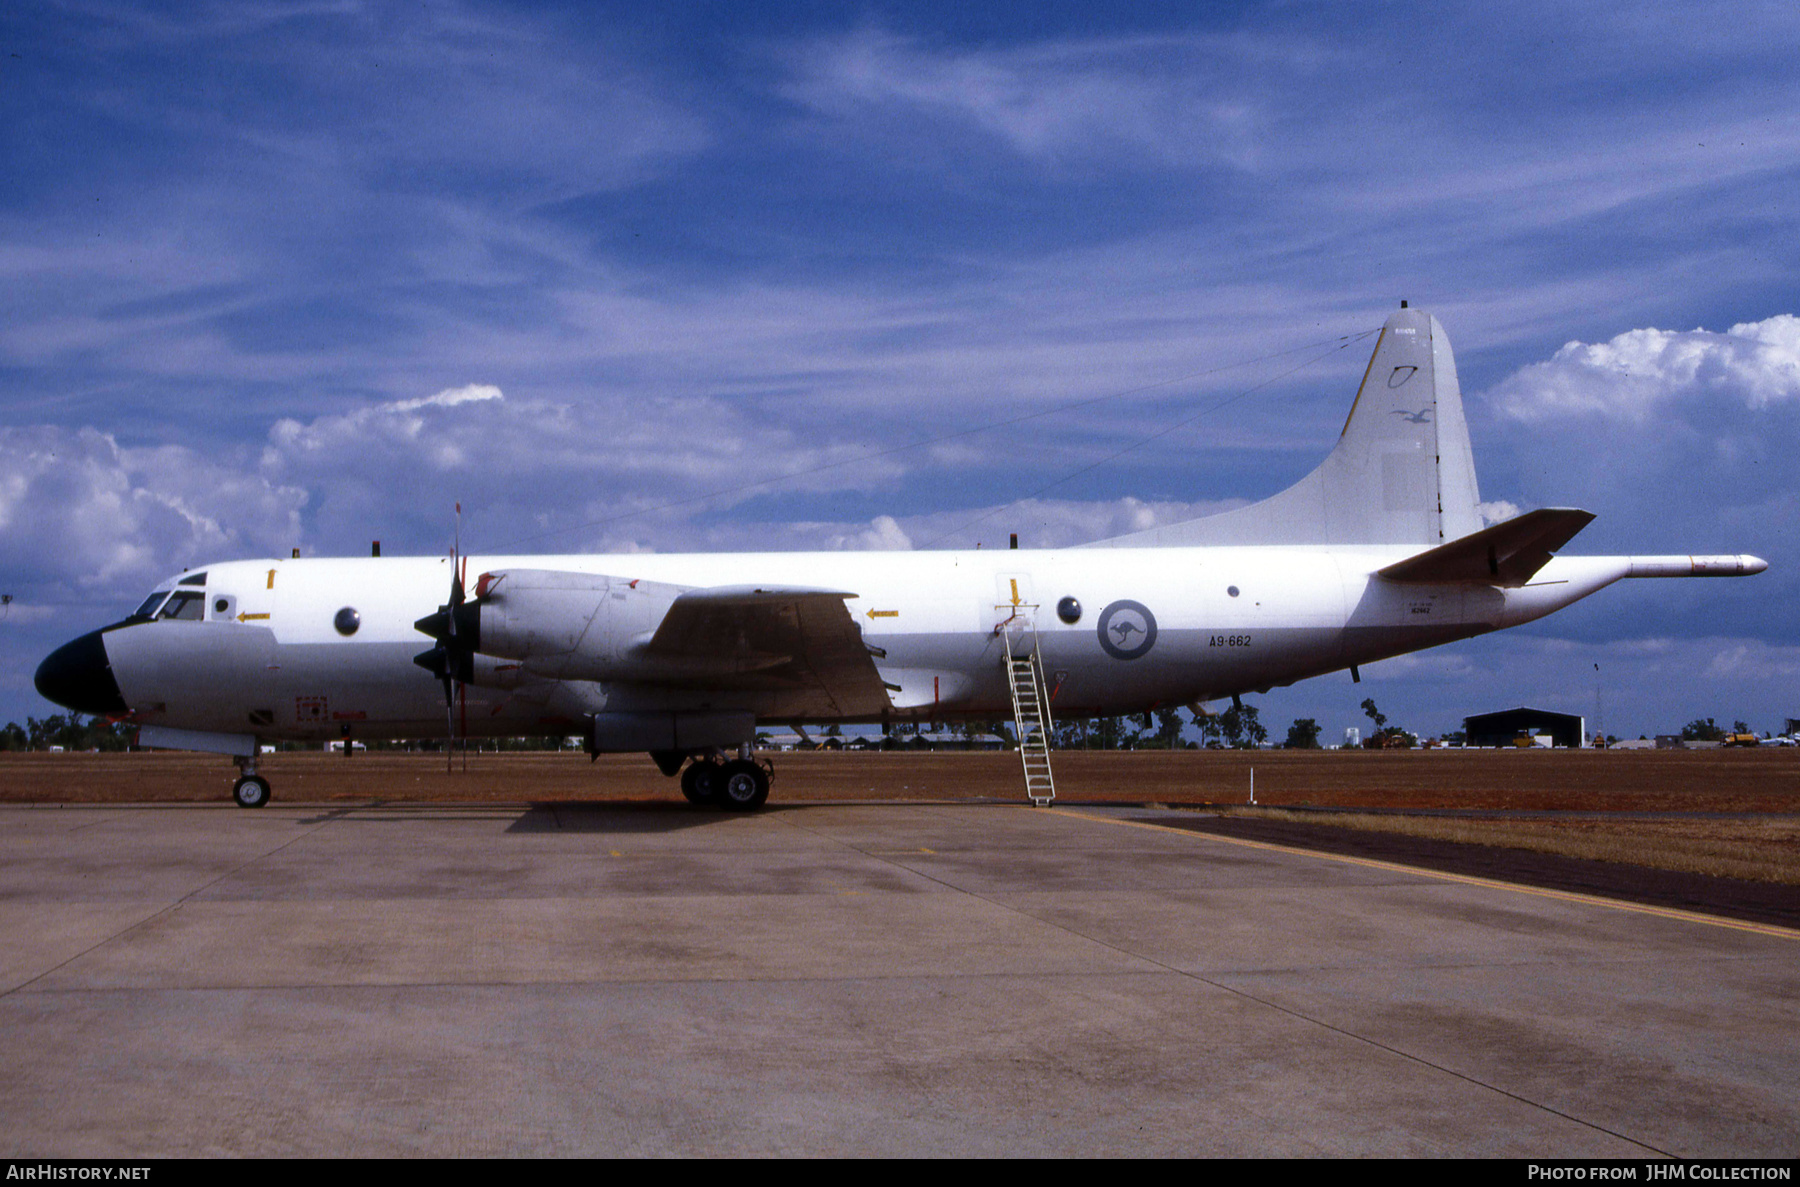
(1040,523)
(81,514)
(1635,376)
(883,535)
(1753,659)
(449,398)
(1171,99)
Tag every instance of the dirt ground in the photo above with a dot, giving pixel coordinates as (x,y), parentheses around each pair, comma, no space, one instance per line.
(1763,781)
(1634,824)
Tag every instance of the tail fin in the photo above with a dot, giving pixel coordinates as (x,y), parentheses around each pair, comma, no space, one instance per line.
(1402,472)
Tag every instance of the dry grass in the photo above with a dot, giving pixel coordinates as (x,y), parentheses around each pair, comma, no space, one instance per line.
(1766,850)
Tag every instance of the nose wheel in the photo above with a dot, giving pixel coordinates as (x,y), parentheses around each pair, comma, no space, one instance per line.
(251,791)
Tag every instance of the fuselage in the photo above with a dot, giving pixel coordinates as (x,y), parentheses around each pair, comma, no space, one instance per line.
(267,648)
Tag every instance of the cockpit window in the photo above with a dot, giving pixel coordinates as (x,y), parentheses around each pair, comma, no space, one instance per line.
(148,609)
(185,605)
(193,579)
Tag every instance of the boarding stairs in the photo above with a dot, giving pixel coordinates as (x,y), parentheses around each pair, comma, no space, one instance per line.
(1031,708)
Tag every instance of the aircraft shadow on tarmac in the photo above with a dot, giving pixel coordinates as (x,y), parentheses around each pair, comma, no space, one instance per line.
(546,817)
(643,817)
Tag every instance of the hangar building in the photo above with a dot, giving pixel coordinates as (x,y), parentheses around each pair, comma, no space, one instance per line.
(1499,729)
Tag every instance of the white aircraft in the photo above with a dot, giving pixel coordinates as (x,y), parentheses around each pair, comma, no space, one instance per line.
(1378,552)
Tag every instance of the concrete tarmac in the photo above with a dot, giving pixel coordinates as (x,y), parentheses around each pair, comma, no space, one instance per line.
(862,979)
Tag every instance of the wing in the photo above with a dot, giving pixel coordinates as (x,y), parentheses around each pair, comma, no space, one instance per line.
(1508,553)
(796,641)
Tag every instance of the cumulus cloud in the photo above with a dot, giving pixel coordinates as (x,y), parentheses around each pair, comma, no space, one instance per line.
(1636,375)
(81,514)
(1679,442)
(1497,511)
(1040,523)
(883,535)
(612,472)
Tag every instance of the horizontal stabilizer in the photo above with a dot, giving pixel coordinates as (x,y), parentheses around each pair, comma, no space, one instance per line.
(1508,553)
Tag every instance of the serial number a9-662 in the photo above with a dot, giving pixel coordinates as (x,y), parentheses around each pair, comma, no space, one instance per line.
(1228,641)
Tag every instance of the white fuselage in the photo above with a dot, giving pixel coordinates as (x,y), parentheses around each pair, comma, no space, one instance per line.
(1154,627)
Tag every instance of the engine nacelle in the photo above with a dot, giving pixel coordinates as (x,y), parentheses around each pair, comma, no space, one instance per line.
(562,625)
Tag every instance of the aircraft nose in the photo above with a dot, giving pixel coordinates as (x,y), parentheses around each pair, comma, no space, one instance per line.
(78,676)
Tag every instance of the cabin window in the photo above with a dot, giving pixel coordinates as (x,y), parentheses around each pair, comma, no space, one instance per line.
(186,605)
(148,609)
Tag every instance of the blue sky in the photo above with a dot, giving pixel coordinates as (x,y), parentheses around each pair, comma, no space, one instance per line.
(281,275)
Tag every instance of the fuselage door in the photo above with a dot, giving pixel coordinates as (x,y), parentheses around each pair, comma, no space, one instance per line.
(1015,602)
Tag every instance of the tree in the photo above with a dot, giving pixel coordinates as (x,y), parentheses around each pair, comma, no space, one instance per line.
(1231,724)
(1303,734)
(1168,728)
(1255,733)
(1702,729)
(1209,726)
(1375,715)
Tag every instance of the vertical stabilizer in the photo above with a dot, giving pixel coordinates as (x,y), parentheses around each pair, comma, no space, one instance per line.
(1402,472)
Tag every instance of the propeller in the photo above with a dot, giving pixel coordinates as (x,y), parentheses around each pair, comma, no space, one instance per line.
(457,628)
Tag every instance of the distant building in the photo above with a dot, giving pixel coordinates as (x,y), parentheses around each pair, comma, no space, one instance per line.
(1500,729)
(1352,738)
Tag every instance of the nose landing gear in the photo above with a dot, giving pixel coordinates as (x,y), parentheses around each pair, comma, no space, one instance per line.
(251,790)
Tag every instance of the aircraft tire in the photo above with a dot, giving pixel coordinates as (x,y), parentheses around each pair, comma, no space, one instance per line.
(701,782)
(744,787)
(252,791)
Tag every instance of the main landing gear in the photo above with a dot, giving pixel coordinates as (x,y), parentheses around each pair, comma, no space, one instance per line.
(251,790)
(738,785)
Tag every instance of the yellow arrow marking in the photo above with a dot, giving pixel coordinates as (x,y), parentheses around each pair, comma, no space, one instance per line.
(884,614)
(1015,585)
(245,616)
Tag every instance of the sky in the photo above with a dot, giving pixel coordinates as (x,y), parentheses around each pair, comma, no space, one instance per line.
(721,277)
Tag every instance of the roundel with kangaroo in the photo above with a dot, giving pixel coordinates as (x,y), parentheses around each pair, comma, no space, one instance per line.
(1127,629)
